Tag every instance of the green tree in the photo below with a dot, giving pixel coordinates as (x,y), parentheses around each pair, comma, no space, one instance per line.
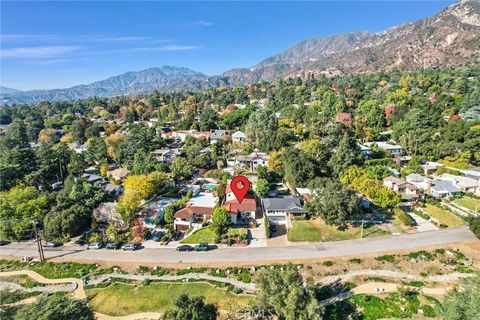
(262,188)
(208,120)
(333,202)
(78,131)
(261,128)
(181,169)
(220,219)
(56,307)
(187,308)
(284,294)
(96,151)
(20,206)
(346,154)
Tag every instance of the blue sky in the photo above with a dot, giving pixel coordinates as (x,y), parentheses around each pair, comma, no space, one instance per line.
(64,43)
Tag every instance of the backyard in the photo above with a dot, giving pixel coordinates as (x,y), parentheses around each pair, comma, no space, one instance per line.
(122,299)
(317,230)
(444,216)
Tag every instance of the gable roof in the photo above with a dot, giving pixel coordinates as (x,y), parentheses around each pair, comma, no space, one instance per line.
(441,185)
(120,172)
(248,204)
(189,211)
(396,181)
(217,134)
(415,177)
(287,203)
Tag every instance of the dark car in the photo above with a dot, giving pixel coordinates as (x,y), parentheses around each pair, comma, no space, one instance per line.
(130,246)
(202,247)
(273,228)
(51,244)
(112,245)
(4,242)
(185,247)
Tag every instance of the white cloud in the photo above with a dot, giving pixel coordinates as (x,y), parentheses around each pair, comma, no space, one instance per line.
(36,52)
(199,23)
(170,47)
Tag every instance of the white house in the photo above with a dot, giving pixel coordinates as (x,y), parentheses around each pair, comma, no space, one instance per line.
(421,182)
(465,184)
(166,155)
(443,189)
(394,150)
(238,137)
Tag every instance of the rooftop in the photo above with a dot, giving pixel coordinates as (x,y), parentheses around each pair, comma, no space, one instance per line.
(204,199)
(287,203)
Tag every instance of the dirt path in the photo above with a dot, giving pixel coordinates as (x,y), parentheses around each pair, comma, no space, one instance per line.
(136,316)
(250,287)
(78,293)
(395,274)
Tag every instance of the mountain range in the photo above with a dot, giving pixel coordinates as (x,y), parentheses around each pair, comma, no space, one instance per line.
(450,38)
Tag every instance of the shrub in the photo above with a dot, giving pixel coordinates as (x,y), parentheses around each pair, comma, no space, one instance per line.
(474,224)
(404,217)
(356,260)
(327,263)
(386,258)
(429,311)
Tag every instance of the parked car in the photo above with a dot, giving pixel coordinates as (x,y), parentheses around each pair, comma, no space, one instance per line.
(273,227)
(94,246)
(202,247)
(185,247)
(51,244)
(4,242)
(130,246)
(112,245)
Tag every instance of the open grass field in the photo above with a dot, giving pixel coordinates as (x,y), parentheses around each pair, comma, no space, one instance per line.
(205,235)
(469,203)
(317,230)
(122,299)
(444,216)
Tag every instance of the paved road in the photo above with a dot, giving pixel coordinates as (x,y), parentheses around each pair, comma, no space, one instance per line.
(254,255)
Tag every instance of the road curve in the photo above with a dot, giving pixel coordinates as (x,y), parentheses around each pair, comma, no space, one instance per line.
(293,252)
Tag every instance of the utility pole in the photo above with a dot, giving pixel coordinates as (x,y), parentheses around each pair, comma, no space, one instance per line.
(361,231)
(39,242)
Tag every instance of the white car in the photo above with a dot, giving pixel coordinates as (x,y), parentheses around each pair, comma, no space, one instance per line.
(94,246)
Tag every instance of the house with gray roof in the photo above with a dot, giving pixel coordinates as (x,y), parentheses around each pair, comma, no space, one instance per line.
(217,135)
(280,209)
(443,189)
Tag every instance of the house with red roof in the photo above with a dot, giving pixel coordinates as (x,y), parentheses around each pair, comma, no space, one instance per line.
(198,210)
(240,213)
(189,215)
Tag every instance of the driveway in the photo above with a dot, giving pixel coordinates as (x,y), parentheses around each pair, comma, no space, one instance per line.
(279,237)
(255,255)
(422,225)
(257,236)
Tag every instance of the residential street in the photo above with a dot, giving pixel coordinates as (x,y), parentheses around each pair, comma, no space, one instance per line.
(253,255)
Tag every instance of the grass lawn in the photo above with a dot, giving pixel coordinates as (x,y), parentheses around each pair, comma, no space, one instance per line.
(469,203)
(237,232)
(444,216)
(205,235)
(123,299)
(317,230)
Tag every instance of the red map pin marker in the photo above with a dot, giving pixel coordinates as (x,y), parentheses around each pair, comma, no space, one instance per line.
(240,186)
